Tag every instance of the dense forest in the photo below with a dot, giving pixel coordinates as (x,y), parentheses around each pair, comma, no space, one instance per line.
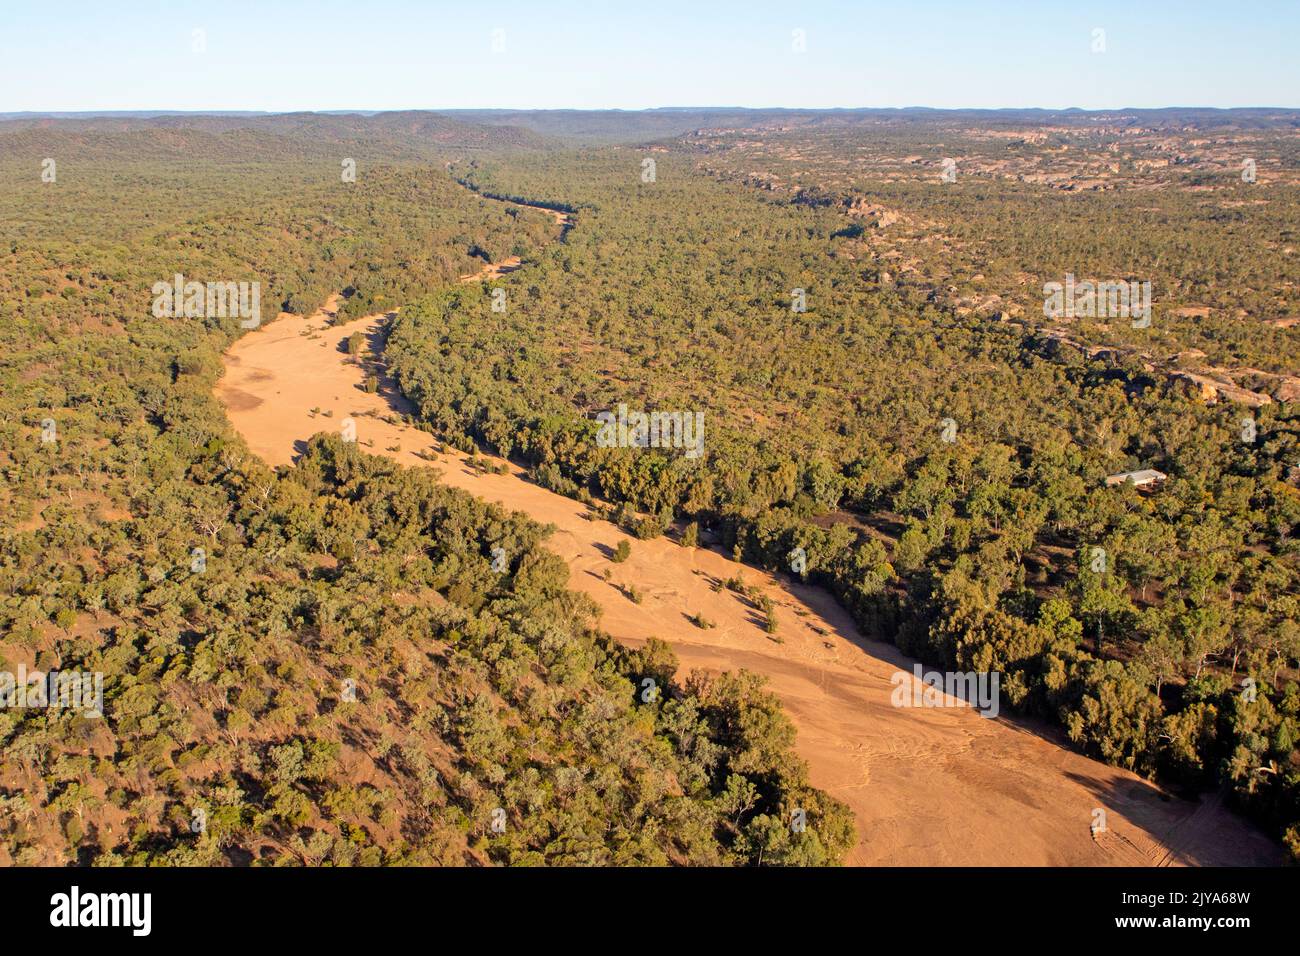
(884,398)
(972,547)
(316,665)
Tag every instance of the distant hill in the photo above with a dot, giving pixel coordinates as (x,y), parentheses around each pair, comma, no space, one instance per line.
(640,125)
(413,134)
(420,134)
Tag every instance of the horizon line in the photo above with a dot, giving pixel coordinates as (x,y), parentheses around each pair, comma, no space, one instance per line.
(641,109)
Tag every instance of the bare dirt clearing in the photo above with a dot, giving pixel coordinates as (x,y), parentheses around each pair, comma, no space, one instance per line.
(492,270)
(935,786)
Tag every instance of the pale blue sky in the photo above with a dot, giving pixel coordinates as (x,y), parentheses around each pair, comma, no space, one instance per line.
(404,54)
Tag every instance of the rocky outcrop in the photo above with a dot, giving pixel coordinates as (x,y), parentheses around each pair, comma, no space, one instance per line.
(878,216)
(1211,390)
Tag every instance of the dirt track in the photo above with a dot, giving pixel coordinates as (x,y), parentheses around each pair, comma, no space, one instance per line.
(928,786)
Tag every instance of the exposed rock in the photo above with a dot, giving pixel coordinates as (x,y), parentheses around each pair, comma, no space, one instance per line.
(879,216)
(1211,390)
(1288,390)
